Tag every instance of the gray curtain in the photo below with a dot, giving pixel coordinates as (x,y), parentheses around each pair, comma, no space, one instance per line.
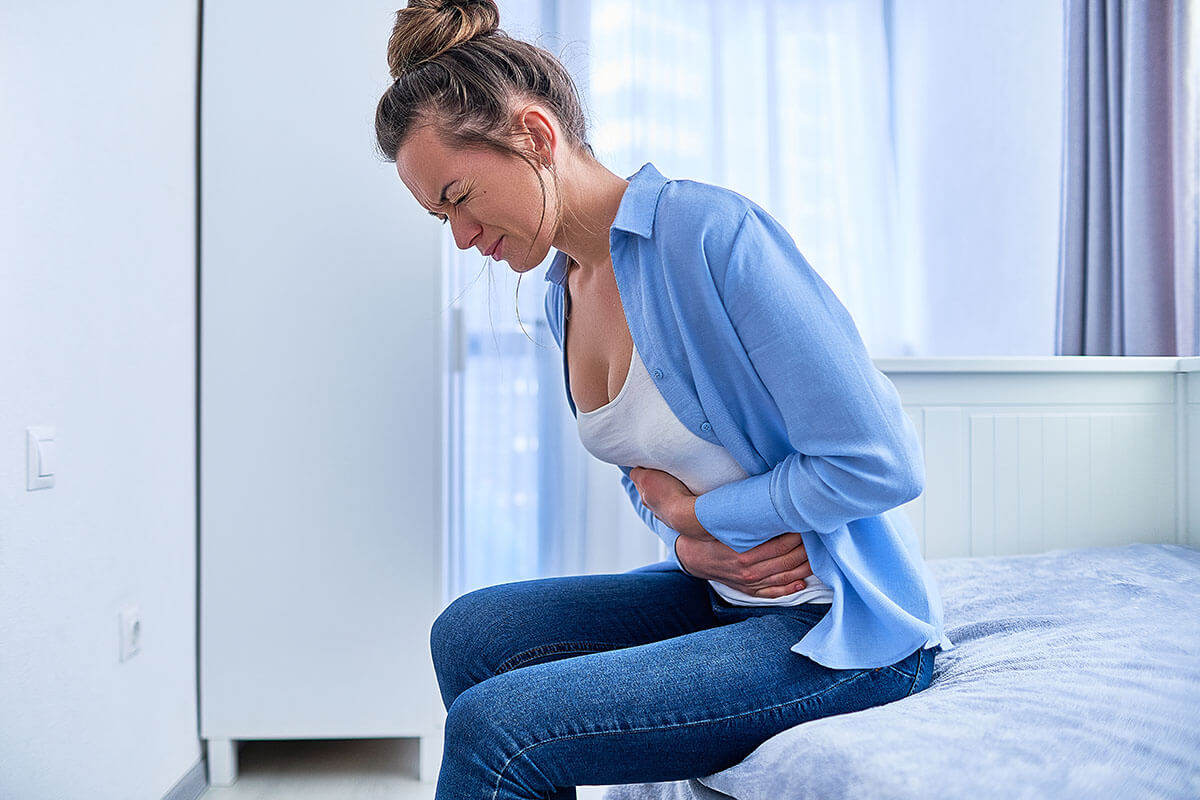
(1128,249)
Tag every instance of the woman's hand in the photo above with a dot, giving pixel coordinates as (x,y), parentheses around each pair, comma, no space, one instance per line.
(772,569)
(669,500)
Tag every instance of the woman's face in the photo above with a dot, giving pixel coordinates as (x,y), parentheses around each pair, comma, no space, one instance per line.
(493,202)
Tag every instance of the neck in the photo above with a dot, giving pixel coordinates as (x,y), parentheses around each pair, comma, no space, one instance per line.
(591,195)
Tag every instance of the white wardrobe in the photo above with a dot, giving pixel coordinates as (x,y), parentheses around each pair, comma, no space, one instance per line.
(321,391)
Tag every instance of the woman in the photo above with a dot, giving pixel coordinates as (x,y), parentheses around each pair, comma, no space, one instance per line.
(705,357)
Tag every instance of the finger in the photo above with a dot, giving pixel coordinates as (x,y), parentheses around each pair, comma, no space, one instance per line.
(769,592)
(773,592)
(797,576)
(794,577)
(772,548)
(761,572)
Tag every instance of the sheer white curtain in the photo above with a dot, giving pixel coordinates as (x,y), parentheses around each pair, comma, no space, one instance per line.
(783,101)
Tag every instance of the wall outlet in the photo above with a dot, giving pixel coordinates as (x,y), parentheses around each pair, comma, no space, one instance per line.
(131,632)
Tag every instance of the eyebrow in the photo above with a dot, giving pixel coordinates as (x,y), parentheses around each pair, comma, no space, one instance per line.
(442,199)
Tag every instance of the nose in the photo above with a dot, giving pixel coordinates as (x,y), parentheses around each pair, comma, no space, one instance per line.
(465,233)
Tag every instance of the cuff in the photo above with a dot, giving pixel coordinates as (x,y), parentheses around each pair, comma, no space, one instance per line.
(741,514)
(675,556)
(670,537)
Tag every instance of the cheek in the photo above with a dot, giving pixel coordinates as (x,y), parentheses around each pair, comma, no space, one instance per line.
(533,203)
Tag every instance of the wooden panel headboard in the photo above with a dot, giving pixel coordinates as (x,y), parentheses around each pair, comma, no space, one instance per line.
(1025,455)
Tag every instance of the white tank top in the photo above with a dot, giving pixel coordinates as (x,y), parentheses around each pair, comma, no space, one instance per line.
(638,429)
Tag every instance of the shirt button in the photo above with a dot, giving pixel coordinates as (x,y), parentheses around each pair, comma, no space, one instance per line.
(657,374)
(706,427)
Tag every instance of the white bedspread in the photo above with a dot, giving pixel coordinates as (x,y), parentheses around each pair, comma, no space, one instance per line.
(1076,675)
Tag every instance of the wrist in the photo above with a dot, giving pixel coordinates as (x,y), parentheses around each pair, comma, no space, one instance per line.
(680,540)
(684,520)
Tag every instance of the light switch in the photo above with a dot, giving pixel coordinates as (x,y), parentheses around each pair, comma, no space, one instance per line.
(41,458)
(48,459)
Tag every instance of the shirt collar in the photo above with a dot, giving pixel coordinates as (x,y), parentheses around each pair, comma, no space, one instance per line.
(640,202)
(635,215)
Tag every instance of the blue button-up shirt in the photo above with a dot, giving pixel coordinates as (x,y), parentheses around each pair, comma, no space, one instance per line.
(752,351)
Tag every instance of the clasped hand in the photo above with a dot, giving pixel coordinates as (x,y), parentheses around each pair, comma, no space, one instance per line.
(772,569)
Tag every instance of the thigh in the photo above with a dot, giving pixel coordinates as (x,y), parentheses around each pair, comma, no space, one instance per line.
(670,710)
(501,628)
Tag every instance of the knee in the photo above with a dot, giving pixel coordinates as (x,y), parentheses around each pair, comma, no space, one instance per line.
(471,719)
(454,642)
(444,636)
(458,629)
(489,728)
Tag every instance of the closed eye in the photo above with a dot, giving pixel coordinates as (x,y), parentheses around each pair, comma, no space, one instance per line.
(442,217)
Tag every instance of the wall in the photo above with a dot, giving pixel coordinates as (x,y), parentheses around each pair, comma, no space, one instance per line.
(978,98)
(97,321)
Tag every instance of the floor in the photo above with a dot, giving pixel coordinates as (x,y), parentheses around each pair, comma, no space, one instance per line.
(347,769)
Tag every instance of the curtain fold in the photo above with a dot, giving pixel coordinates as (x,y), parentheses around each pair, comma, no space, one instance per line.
(1127,261)
(1186,145)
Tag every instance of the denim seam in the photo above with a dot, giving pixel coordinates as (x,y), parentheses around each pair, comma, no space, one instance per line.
(826,690)
(581,648)
(916,674)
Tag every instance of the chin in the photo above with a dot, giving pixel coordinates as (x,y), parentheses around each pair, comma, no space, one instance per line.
(518,262)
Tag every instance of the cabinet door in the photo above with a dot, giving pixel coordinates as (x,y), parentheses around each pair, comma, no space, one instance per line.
(321,389)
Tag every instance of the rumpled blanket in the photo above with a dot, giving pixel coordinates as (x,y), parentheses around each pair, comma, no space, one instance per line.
(1076,674)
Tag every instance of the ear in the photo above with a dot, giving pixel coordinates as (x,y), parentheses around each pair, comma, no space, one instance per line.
(539,131)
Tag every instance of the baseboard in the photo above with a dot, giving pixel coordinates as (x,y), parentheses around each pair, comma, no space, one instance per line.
(191,785)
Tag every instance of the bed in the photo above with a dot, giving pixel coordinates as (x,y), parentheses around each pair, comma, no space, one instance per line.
(1061,519)
(1075,672)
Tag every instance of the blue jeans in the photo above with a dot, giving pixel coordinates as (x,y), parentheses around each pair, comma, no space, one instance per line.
(631,678)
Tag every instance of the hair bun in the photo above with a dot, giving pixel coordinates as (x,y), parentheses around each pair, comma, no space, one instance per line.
(427,28)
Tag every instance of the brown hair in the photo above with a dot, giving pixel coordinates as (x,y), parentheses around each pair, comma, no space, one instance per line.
(453,68)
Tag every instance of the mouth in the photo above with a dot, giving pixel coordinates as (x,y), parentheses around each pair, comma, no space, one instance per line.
(495,250)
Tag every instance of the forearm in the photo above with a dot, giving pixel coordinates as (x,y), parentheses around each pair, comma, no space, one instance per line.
(683,519)
(805,493)
(662,529)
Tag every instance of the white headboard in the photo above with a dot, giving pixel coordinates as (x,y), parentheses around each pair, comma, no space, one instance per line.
(1025,455)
